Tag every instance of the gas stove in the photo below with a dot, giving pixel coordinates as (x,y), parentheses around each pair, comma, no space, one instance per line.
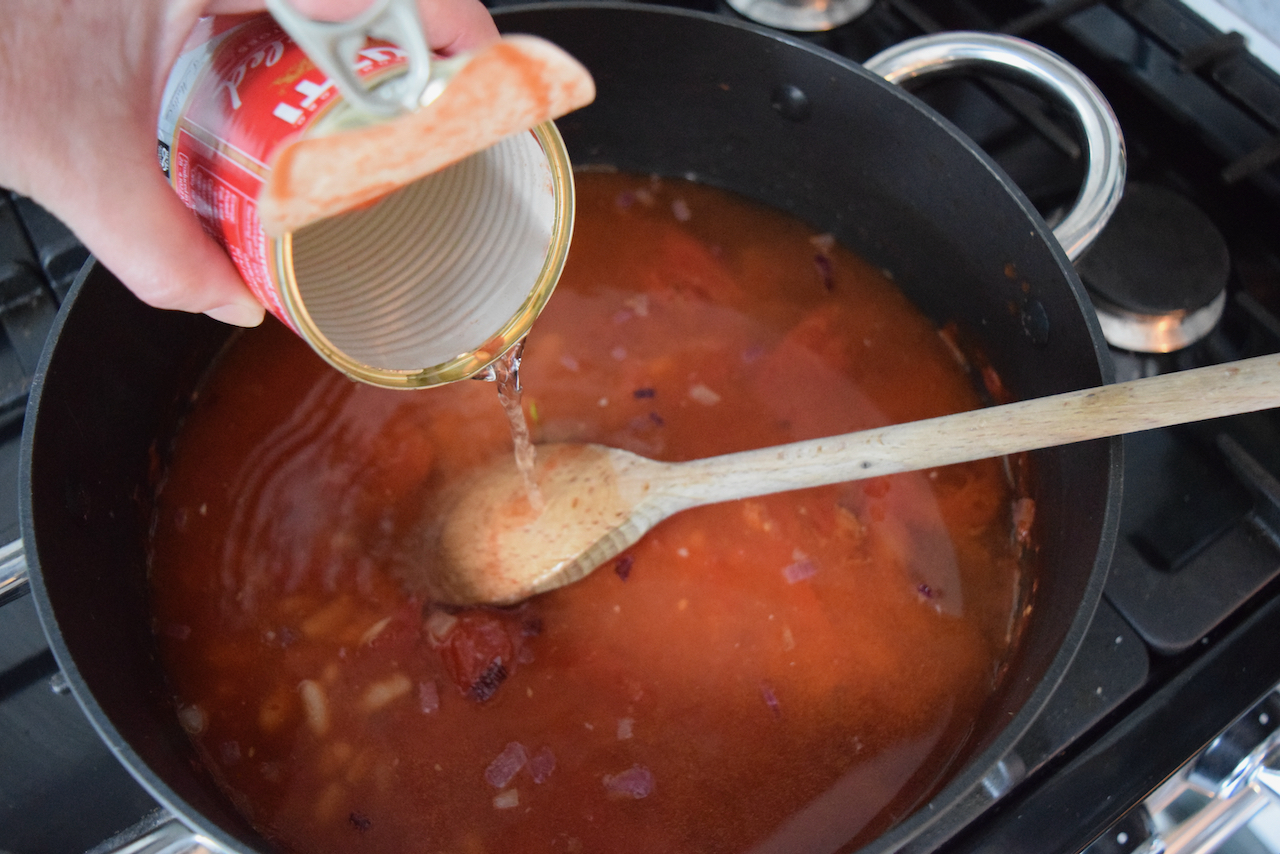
(1164,732)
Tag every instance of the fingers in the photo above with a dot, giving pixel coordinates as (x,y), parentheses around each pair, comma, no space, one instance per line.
(104,183)
(452,26)
(80,140)
(139,229)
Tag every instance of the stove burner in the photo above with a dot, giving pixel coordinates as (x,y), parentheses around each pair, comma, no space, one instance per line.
(1158,272)
(806,16)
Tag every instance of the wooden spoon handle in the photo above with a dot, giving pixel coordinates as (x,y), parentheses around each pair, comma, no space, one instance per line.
(1180,398)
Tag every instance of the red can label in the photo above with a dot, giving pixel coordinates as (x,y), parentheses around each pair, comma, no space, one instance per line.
(229,104)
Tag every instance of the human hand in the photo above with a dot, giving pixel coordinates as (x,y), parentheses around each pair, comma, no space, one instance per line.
(80,89)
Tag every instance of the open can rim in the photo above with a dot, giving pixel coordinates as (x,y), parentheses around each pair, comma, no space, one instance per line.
(464,365)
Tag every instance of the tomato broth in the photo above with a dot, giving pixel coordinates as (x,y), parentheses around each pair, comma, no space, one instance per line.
(749,671)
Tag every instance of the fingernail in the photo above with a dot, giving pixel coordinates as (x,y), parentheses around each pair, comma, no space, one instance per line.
(238,313)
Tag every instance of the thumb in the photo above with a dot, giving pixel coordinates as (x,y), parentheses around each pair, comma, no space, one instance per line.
(135,224)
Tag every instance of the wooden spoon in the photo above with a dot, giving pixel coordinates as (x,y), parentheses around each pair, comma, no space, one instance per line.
(493,547)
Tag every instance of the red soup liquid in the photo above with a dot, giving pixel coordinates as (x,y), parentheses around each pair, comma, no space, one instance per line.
(804,666)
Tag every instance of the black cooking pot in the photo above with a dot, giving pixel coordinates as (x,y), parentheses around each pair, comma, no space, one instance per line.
(679,94)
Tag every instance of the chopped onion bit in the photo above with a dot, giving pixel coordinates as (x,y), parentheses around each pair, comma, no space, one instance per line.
(639,303)
(374,630)
(799,570)
(193,719)
(541,764)
(1024,516)
(700,393)
(380,693)
(823,242)
(507,765)
(506,800)
(316,705)
(229,752)
(826,275)
(770,699)
(439,624)
(635,782)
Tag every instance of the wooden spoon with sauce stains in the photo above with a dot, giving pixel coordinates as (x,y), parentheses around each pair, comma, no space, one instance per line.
(494,547)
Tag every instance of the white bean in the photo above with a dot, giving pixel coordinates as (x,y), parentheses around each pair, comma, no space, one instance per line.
(315,704)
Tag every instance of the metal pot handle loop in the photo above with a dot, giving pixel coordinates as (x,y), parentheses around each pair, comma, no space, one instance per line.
(1027,62)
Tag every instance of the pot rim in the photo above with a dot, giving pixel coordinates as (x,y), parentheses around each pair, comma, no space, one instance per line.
(928,817)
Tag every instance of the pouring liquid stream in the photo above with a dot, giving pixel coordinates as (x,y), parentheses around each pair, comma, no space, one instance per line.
(506,375)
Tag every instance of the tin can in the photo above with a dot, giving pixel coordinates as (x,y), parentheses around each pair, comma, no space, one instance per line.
(428,285)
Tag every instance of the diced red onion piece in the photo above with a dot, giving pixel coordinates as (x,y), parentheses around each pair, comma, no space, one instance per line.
(826,275)
(770,699)
(229,752)
(506,800)
(799,570)
(680,210)
(541,764)
(506,766)
(636,782)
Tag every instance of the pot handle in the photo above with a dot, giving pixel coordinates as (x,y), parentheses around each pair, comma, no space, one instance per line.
(13,571)
(1027,62)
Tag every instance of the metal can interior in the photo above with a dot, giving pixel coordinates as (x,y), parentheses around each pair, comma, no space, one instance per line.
(435,281)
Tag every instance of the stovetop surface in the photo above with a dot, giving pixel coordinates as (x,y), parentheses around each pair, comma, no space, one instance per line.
(1188,634)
